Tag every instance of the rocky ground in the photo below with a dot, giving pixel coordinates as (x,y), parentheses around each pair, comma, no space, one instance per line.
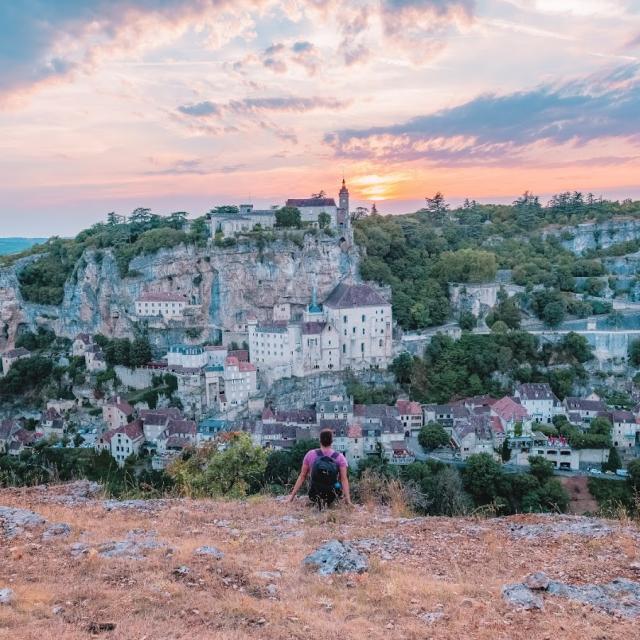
(73,565)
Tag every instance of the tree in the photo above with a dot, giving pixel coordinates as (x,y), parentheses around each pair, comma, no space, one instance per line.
(229,467)
(614,461)
(528,210)
(436,206)
(467,321)
(466,265)
(482,478)
(449,497)
(505,451)
(600,426)
(576,347)
(177,220)
(634,353)
(432,436)
(359,213)
(540,468)
(553,313)
(634,474)
(140,353)
(324,220)
(402,367)
(551,496)
(288,217)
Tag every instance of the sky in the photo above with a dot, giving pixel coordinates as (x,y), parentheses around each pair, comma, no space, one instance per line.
(181,105)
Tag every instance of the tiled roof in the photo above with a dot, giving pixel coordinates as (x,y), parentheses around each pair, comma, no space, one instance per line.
(132,430)
(582,404)
(181,427)
(536,391)
(508,409)
(296,416)
(241,354)
(407,407)
(374,411)
(346,296)
(311,202)
(159,417)
(246,366)
(84,337)
(16,353)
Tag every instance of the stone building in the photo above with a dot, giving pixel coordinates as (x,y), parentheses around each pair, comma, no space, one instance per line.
(351,330)
(164,304)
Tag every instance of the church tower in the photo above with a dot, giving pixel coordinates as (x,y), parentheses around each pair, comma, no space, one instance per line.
(343,205)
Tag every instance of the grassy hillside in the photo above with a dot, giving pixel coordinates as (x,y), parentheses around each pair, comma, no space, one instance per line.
(428,577)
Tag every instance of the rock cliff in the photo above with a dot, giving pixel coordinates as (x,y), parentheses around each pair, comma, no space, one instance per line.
(222,285)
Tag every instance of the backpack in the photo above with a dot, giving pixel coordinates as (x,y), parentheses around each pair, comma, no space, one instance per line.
(324,473)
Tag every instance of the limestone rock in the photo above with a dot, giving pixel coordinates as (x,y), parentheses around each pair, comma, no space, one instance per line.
(337,557)
(520,596)
(207,550)
(6,596)
(620,596)
(15,521)
(538,580)
(57,530)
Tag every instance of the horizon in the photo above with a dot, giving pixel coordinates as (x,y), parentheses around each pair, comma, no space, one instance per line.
(182,104)
(72,232)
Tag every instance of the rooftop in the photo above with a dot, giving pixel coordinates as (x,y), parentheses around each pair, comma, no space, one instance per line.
(346,296)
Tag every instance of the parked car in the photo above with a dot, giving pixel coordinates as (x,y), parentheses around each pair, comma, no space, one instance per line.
(623,473)
(594,470)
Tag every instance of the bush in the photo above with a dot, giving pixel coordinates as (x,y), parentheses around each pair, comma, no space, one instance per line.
(432,436)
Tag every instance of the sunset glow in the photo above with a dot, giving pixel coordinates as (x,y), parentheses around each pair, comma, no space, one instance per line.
(184,104)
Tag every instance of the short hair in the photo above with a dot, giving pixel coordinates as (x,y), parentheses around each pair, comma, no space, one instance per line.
(326,437)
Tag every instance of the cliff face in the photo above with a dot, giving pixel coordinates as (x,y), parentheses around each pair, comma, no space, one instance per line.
(596,235)
(222,285)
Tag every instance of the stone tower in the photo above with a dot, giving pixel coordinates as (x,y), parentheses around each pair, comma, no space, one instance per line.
(344,200)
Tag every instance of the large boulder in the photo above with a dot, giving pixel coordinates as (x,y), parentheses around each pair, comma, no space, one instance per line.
(337,557)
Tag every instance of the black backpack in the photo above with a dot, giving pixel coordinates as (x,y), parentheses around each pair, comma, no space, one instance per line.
(324,473)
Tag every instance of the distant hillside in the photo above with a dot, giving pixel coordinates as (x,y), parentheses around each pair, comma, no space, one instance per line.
(15,245)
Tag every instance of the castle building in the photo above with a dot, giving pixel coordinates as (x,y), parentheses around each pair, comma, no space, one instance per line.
(165,304)
(351,330)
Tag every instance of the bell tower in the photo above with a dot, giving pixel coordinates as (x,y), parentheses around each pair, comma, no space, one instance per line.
(344,200)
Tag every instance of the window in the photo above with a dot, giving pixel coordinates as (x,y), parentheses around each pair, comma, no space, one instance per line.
(344,319)
(344,348)
(362,347)
(363,317)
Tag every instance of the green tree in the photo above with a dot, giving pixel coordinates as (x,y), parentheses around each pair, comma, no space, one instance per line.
(324,220)
(432,436)
(505,450)
(140,352)
(540,468)
(634,475)
(553,313)
(551,496)
(288,217)
(483,478)
(402,367)
(600,426)
(634,353)
(614,462)
(224,468)
(467,321)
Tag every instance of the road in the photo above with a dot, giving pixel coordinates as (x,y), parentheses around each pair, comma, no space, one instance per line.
(414,447)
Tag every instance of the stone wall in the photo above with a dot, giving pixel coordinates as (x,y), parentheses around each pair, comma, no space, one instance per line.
(302,392)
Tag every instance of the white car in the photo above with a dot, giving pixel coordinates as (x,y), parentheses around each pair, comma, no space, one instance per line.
(596,471)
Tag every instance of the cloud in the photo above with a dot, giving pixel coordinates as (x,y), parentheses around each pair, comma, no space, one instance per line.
(200,109)
(282,104)
(181,167)
(42,41)
(279,56)
(494,127)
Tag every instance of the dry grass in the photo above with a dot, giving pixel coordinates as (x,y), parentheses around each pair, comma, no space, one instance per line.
(453,566)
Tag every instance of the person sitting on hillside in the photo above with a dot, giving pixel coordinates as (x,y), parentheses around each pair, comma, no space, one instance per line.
(328,471)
